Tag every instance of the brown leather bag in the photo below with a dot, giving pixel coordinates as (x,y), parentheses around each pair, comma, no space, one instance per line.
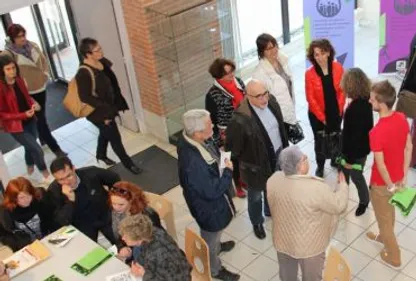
(407,104)
(72,101)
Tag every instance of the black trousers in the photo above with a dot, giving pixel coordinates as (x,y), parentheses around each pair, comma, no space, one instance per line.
(110,134)
(359,181)
(44,132)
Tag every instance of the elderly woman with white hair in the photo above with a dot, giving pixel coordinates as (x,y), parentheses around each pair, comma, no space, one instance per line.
(305,212)
(206,187)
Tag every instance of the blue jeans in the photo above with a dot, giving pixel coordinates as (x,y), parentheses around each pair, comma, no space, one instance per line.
(33,151)
(256,201)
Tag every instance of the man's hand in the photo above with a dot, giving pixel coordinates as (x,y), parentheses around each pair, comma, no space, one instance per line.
(107,122)
(125,252)
(69,193)
(229,164)
(137,270)
(348,166)
(341,177)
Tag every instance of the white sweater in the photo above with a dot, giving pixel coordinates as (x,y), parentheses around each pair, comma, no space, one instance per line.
(277,86)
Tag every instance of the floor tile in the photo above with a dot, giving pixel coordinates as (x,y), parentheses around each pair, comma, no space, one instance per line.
(365,220)
(407,239)
(377,271)
(338,245)
(175,195)
(246,278)
(239,227)
(406,256)
(259,245)
(241,256)
(410,268)
(364,245)
(357,260)
(262,268)
(271,253)
(402,277)
(347,232)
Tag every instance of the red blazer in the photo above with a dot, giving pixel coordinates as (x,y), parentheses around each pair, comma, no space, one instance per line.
(10,117)
(315,93)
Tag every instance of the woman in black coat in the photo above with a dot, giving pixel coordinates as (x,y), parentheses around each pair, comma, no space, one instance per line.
(358,121)
(25,214)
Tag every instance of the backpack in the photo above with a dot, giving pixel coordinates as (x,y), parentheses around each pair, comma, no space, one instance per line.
(72,101)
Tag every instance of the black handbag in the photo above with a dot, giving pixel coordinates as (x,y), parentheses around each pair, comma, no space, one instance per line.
(328,145)
(294,133)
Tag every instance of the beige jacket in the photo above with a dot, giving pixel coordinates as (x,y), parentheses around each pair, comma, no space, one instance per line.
(34,72)
(305,212)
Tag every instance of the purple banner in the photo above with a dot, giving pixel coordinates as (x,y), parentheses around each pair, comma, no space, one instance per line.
(333,20)
(397,28)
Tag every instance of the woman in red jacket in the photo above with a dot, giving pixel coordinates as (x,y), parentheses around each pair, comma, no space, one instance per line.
(324,95)
(17,110)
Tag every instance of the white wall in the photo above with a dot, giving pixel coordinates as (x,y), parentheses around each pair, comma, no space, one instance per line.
(10,5)
(371,9)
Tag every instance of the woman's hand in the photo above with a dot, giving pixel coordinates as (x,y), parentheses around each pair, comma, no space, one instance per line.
(29,113)
(137,270)
(124,253)
(107,122)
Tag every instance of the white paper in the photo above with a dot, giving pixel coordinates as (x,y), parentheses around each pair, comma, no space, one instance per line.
(24,260)
(113,250)
(123,276)
(224,155)
(63,236)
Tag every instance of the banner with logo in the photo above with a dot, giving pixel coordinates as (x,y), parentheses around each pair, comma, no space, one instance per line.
(332,20)
(397,28)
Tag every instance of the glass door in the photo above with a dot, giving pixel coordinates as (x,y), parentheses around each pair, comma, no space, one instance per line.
(59,38)
(2,36)
(24,17)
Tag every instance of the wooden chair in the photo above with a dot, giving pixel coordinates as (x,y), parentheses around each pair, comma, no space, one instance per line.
(197,253)
(165,210)
(336,268)
(5,252)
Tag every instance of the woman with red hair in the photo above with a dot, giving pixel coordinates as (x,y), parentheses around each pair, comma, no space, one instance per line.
(24,214)
(127,199)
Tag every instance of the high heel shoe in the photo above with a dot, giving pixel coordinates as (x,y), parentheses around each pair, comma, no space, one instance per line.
(135,170)
(106,160)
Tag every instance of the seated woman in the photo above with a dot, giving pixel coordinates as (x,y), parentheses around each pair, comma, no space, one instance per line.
(128,199)
(160,257)
(305,211)
(24,214)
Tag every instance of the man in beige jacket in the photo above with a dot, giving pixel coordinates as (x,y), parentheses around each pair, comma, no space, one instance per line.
(305,212)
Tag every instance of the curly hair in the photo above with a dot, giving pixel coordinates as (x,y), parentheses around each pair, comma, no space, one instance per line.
(14,187)
(132,193)
(137,227)
(324,45)
(356,84)
(216,69)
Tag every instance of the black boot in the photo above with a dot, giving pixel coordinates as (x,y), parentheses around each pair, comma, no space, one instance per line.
(361,209)
(227,246)
(134,169)
(259,231)
(319,172)
(226,275)
(106,160)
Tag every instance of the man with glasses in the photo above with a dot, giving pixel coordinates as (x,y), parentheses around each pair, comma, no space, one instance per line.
(255,136)
(80,199)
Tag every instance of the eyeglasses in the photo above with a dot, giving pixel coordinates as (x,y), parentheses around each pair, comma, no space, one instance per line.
(259,96)
(271,48)
(99,49)
(119,190)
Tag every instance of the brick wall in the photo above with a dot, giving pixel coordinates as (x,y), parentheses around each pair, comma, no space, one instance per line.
(171,63)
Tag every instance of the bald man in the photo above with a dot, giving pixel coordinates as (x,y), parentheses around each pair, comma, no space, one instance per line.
(255,136)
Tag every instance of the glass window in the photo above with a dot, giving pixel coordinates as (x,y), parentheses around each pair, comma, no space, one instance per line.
(295,16)
(24,17)
(2,37)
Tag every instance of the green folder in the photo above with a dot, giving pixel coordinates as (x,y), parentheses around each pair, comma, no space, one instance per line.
(341,161)
(91,261)
(404,200)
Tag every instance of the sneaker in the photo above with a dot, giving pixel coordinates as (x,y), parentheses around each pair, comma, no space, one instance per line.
(227,246)
(226,275)
(240,192)
(374,237)
(386,258)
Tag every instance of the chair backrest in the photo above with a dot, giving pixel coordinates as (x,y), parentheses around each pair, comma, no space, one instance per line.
(336,268)
(165,210)
(197,253)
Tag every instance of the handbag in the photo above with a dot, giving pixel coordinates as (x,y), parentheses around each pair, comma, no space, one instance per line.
(328,145)
(72,101)
(294,133)
(406,102)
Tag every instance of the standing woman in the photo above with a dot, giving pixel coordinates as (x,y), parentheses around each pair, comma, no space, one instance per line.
(17,116)
(358,121)
(324,95)
(34,70)
(107,101)
(273,70)
(221,101)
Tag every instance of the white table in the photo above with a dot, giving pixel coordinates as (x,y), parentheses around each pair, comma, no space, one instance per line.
(61,259)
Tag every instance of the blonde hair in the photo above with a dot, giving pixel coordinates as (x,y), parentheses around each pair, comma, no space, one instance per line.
(137,227)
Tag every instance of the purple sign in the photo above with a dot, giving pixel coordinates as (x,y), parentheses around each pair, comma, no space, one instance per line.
(333,20)
(397,28)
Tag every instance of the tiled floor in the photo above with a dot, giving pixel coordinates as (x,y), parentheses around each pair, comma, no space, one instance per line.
(255,259)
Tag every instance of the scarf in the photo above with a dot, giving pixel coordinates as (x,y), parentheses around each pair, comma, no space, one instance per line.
(231,88)
(25,50)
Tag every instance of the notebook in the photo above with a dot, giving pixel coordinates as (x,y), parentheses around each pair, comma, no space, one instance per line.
(91,261)
(404,200)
